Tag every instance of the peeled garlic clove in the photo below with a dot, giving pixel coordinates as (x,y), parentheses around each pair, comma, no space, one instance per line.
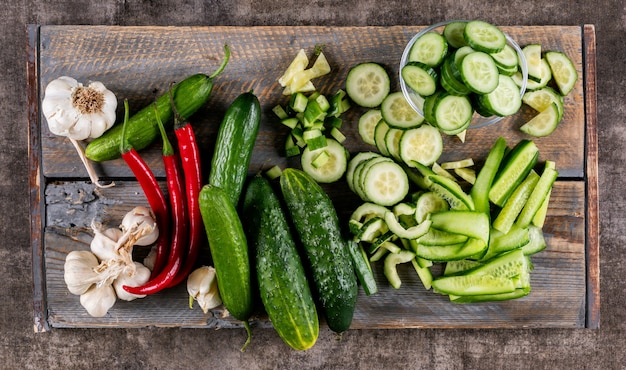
(140,221)
(98,300)
(79,271)
(202,286)
(140,276)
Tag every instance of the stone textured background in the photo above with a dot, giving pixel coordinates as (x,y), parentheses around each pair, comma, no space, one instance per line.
(21,348)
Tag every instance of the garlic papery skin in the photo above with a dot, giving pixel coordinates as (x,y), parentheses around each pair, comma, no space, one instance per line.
(80,271)
(139,277)
(98,300)
(140,222)
(202,287)
(76,111)
(104,242)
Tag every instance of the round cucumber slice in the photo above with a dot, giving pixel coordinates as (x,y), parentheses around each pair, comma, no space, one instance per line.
(429,49)
(452,114)
(397,112)
(453,32)
(332,167)
(420,77)
(479,72)
(484,36)
(367,84)
(367,125)
(385,183)
(505,100)
(423,144)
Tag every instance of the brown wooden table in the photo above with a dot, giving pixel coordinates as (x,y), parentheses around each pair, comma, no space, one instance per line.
(138,63)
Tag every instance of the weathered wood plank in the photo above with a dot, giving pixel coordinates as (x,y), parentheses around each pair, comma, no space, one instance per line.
(558,280)
(139,63)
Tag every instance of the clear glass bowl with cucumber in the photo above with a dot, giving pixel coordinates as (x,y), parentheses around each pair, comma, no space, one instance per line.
(463,74)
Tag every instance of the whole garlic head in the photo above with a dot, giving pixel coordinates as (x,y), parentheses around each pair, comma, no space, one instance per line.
(77,111)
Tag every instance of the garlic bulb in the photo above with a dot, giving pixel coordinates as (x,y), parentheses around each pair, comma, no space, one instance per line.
(79,112)
(98,300)
(80,271)
(76,111)
(141,223)
(140,276)
(202,286)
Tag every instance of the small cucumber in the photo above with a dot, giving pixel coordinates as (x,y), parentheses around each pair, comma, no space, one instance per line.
(142,128)
(282,282)
(317,225)
(229,251)
(233,148)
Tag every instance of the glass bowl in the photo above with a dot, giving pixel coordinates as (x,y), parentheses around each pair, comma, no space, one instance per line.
(416,101)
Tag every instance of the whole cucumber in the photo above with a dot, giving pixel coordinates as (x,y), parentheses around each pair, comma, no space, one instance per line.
(235,142)
(282,282)
(317,225)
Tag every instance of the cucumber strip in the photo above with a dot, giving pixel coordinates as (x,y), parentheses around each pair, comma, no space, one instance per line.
(517,293)
(470,223)
(424,273)
(430,49)
(367,125)
(468,285)
(367,84)
(454,267)
(439,237)
(393,259)
(516,167)
(541,214)
(461,163)
(536,242)
(539,194)
(452,192)
(513,206)
(437,253)
(362,268)
(484,36)
(412,232)
(480,189)
(423,145)
(397,112)
(563,71)
(500,242)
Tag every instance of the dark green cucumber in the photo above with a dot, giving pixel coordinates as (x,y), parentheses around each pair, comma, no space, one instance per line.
(282,281)
(142,128)
(235,141)
(229,251)
(317,224)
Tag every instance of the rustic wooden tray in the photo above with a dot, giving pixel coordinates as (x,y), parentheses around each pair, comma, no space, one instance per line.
(139,62)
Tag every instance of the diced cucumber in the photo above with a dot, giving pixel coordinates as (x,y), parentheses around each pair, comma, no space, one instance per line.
(505,100)
(469,223)
(532,53)
(544,123)
(461,163)
(367,84)
(517,165)
(453,32)
(333,169)
(367,125)
(397,112)
(423,144)
(385,183)
(563,71)
(429,49)
(479,72)
(420,77)
(483,36)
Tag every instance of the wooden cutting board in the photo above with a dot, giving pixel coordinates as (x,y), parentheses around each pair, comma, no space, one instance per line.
(139,63)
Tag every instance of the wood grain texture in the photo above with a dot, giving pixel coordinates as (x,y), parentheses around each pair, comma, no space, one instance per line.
(139,63)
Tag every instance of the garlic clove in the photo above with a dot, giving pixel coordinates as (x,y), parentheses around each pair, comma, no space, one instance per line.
(140,276)
(202,287)
(98,300)
(140,222)
(104,243)
(79,271)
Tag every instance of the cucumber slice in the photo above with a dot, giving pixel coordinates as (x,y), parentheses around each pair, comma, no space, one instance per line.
(452,114)
(454,267)
(505,100)
(563,71)
(368,210)
(354,162)
(438,237)
(453,32)
(385,183)
(423,145)
(393,259)
(427,203)
(537,242)
(437,253)
(531,85)
(332,169)
(359,174)
(506,58)
(367,84)
(541,99)
(451,191)
(544,123)
(469,223)
(397,112)
(483,36)
(367,125)
(423,272)
(362,268)
(532,53)
(517,165)
(420,77)
(392,142)
(380,132)
(430,49)
(479,72)
(412,232)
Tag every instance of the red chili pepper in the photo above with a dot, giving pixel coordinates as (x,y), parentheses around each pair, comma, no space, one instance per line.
(178,205)
(190,158)
(156,199)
